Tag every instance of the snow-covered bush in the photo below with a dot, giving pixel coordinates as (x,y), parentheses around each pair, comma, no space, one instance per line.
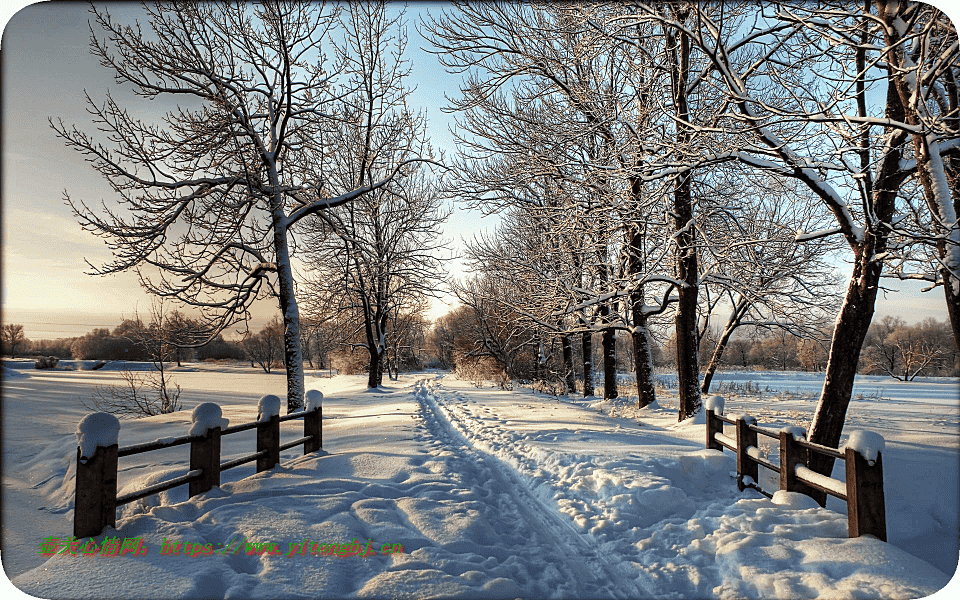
(45,362)
(143,394)
(479,369)
(349,362)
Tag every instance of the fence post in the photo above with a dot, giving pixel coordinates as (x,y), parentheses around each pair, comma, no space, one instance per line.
(268,438)
(205,455)
(95,501)
(866,512)
(746,437)
(714,425)
(311,427)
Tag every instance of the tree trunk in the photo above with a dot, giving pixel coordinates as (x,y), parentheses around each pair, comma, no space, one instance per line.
(293,358)
(688,367)
(732,323)
(569,379)
(609,345)
(938,176)
(851,329)
(643,359)
(587,343)
(374,372)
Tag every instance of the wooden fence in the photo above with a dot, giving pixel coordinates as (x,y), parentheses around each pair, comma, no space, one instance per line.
(862,491)
(96,484)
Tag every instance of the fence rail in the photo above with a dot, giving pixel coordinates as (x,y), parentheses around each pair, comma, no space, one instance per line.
(96,498)
(862,490)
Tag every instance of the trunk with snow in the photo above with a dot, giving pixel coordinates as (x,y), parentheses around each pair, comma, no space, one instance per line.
(293,357)
(587,343)
(609,344)
(569,378)
(932,169)
(643,357)
(852,325)
(688,367)
(856,313)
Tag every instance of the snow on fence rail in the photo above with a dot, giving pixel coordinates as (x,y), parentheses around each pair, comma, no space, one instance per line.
(98,453)
(862,490)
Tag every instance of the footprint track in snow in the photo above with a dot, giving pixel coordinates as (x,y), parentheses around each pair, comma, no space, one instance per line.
(519,514)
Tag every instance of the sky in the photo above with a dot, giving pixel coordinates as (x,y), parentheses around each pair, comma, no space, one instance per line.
(45,68)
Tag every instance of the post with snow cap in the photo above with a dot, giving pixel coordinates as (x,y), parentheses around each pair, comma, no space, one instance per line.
(268,432)
(312,421)
(95,502)
(746,438)
(866,512)
(205,446)
(714,426)
(793,454)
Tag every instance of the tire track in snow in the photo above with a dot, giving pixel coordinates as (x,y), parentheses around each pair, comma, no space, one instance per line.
(591,568)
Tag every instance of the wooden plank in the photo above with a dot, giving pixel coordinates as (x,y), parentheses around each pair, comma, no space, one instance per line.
(160,487)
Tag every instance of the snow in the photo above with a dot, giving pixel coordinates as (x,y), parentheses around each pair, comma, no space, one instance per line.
(867,443)
(95,430)
(715,403)
(808,476)
(314,400)
(798,433)
(207,416)
(794,500)
(268,407)
(492,494)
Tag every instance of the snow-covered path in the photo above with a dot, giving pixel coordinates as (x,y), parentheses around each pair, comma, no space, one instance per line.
(559,562)
(492,494)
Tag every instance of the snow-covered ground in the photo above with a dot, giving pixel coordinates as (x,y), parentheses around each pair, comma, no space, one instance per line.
(491,493)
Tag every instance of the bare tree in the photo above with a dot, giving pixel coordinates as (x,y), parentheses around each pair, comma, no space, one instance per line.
(13,338)
(145,393)
(381,251)
(854,155)
(208,198)
(751,262)
(265,347)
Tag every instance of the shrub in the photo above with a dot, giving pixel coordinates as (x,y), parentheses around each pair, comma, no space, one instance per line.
(45,362)
(350,362)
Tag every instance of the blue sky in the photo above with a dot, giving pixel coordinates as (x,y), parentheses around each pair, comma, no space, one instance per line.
(46,67)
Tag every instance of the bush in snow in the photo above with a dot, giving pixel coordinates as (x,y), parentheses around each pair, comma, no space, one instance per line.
(45,362)
(477,369)
(143,394)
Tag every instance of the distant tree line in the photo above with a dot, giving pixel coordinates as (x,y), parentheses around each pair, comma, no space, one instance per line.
(127,342)
(483,349)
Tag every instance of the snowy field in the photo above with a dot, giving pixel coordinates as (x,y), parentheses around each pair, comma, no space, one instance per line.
(491,493)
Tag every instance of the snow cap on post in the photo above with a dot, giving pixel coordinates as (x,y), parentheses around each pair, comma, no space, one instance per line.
(207,416)
(716,404)
(267,408)
(750,419)
(866,443)
(798,433)
(97,429)
(314,400)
